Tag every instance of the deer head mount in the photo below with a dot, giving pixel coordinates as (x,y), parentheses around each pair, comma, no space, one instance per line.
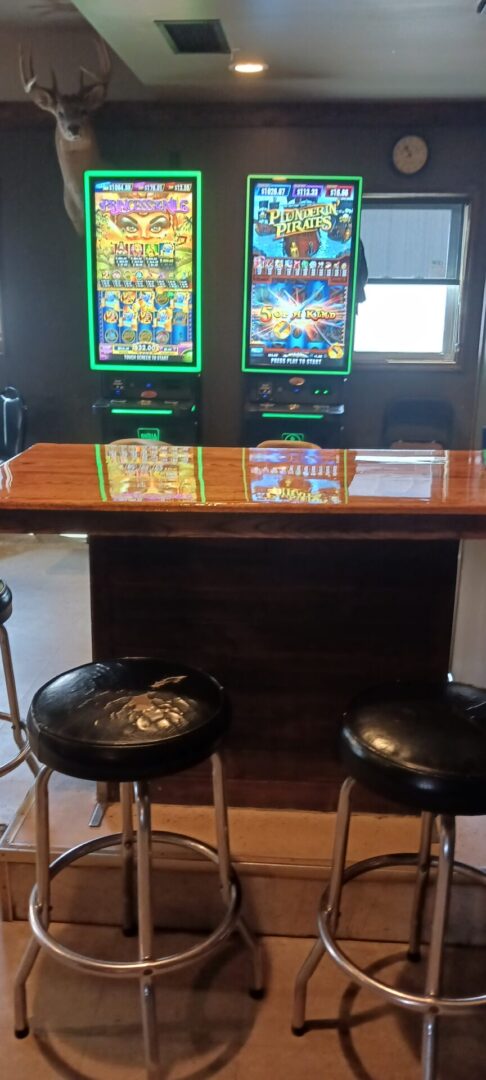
(75,139)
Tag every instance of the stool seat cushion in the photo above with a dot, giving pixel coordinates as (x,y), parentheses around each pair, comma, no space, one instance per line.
(423,745)
(5,602)
(128,719)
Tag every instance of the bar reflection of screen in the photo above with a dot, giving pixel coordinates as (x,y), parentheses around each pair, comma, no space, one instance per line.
(138,473)
(298,476)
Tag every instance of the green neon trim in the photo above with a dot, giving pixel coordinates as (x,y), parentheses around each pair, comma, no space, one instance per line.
(293,371)
(89,272)
(246,274)
(99,469)
(197,241)
(358,181)
(200,474)
(112,174)
(143,412)
(145,367)
(291,416)
(281,178)
(168,173)
(244,456)
(355,273)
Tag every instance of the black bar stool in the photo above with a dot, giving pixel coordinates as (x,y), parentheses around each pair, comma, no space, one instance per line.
(129,721)
(13,716)
(423,746)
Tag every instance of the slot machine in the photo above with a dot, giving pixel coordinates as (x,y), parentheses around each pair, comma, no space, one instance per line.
(143,255)
(301,264)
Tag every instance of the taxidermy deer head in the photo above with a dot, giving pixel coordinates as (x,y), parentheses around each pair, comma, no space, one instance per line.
(76,145)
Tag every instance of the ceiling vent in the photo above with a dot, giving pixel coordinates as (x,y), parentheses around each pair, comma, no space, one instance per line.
(194,35)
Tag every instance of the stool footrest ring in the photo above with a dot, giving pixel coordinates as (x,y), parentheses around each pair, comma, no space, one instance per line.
(14,762)
(421,1003)
(135,968)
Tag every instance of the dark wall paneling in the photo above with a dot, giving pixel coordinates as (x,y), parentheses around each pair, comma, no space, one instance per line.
(42,272)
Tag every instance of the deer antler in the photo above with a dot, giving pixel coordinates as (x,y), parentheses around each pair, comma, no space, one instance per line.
(100,78)
(75,139)
(42,95)
(27,78)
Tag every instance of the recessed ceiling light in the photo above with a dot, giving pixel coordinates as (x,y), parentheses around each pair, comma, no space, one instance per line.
(248,67)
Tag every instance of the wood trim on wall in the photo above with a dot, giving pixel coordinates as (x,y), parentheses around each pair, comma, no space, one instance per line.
(153,114)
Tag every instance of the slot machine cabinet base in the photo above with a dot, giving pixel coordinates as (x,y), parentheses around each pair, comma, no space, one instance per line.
(154,408)
(295,409)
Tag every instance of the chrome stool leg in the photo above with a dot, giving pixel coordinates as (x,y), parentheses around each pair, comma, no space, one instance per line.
(224,865)
(43,880)
(436,952)
(13,716)
(99,809)
(421,881)
(128,860)
(146,927)
(13,703)
(432,1003)
(335,888)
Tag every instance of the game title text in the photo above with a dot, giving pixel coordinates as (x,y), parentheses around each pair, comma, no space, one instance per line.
(302,219)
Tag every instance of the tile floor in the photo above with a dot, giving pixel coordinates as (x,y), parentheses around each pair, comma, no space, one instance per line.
(89,1029)
(49,629)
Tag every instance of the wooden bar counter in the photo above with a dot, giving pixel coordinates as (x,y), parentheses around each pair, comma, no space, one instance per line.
(297,577)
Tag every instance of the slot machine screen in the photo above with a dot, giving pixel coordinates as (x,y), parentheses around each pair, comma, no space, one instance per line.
(143,241)
(300,280)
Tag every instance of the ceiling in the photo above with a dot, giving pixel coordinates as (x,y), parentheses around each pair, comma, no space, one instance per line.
(316,49)
(48,12)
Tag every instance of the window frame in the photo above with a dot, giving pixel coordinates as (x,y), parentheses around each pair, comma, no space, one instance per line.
(453,324)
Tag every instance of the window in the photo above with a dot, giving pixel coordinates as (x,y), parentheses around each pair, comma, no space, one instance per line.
(415,250)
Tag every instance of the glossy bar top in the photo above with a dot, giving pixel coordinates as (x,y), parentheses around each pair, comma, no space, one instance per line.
(154,489)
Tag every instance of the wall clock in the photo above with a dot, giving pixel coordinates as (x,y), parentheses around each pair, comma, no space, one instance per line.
(410,154)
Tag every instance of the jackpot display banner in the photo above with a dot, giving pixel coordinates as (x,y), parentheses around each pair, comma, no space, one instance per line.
(143,241)
(301,259)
